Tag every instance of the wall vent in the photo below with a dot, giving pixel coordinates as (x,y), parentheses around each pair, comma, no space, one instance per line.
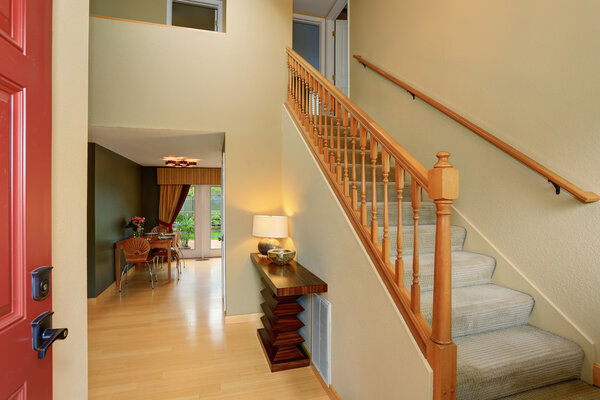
(321,336)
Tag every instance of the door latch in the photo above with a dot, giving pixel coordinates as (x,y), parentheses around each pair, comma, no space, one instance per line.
(43,335)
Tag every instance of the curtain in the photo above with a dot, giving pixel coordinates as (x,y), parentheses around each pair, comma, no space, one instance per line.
(188,176)
(172,198)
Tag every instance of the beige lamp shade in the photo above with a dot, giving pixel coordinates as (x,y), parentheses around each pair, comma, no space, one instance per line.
(270,226)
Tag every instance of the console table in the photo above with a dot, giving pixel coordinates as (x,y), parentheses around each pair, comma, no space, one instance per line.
(279,338)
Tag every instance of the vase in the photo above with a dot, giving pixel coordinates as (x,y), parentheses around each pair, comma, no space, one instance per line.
(138,232)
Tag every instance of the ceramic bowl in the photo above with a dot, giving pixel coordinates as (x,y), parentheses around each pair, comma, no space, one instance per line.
(281,256)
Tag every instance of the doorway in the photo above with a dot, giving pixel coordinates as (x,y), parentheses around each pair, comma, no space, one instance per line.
(341,76)
(199,222)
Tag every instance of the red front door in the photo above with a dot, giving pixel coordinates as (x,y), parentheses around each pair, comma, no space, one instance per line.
(25,213)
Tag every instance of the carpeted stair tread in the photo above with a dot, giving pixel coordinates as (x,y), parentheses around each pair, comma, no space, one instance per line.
(504,362)
(571,390)
(426,213)
(468,269)
(483,308)
(426,238)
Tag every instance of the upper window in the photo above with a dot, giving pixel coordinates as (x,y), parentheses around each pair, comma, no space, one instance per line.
(197,14)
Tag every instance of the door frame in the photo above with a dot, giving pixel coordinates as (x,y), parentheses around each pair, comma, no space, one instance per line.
(214,4)
(202,201)
(330,40)
(320,22)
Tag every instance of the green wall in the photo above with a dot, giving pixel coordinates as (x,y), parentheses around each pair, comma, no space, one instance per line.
(114,196)
(150,197)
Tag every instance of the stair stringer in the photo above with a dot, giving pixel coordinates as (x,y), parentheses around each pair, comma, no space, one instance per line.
(546,315)
(316,251)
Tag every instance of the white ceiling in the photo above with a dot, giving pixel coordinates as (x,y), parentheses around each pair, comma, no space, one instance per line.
(147,147)
(313,7)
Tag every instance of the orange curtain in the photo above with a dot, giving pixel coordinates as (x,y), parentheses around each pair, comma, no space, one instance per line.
(172,198)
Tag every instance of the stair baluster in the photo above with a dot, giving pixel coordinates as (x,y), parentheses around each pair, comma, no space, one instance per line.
(415,289)
(345,130)
(305,93)
(385,242)
(321,111)
(373,150)
(325,148)
(290,80)
(332,136)
(399,175)
(363,192)
(338,170)
(354,191)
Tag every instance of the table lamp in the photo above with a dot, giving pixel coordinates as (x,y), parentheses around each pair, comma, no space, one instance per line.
(269,227)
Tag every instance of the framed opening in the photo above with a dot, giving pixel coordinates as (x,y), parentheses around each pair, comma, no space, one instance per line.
(197,14)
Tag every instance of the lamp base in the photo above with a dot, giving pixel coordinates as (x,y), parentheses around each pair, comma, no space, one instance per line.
(267,244)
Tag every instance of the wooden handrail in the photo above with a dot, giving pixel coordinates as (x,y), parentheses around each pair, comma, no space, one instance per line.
(357,156)
(413,165)
(554,178)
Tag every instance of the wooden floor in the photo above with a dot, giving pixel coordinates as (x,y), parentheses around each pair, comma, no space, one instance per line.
(172,343)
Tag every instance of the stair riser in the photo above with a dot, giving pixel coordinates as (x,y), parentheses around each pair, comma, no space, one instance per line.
(485,308)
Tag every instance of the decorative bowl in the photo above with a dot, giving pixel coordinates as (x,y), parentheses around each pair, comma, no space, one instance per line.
(281,256)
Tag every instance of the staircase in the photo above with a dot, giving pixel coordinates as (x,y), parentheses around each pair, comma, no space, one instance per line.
(500,356)
(475,334)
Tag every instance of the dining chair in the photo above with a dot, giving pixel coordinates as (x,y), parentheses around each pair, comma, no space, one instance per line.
(160,229)
(177,245)
(176,254)
(137,250)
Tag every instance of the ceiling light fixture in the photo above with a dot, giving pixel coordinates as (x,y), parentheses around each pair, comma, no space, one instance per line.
(171,161)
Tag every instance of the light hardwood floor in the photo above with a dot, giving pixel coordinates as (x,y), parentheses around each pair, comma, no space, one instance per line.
(173,343)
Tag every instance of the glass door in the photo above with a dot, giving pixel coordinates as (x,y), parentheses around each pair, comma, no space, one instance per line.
(200,222)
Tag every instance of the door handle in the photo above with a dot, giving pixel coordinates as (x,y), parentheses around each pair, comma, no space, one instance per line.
(43,335)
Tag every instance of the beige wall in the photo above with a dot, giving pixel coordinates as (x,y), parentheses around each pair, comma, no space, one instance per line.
(139,10)
(69,176)
(528,72)
(176,78)
(374,355)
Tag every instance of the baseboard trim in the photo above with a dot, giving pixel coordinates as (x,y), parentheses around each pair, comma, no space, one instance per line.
(596,375)
(110,289)
(331,393)
(237,319)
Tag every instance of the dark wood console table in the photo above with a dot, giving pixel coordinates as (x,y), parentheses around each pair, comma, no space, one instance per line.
(279,338)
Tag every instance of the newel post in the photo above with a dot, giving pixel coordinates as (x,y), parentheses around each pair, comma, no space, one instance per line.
(441,351)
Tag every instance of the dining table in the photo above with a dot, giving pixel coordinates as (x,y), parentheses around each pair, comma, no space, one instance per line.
(156,242)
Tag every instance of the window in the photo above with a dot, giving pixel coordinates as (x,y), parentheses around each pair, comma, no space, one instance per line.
(197,14)
(215,217)
(186,221)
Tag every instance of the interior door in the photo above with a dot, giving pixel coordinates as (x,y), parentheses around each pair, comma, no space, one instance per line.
(25,212)
(342,75)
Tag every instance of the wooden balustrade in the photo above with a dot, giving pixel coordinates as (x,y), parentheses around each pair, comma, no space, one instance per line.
(339,135)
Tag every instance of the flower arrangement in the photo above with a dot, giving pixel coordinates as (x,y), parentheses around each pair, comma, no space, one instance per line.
(137,225)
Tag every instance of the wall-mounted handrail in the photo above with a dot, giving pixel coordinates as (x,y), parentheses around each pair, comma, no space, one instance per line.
(366,170)
(558,181)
